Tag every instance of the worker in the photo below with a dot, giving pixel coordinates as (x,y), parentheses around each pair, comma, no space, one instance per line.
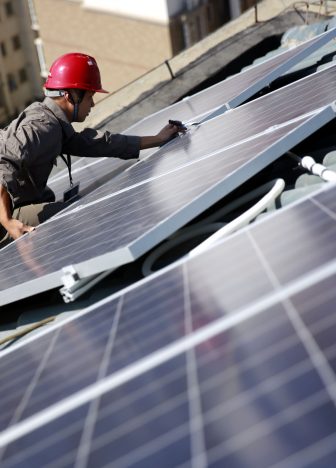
(30,145)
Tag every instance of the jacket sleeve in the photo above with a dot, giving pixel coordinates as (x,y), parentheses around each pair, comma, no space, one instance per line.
(19,151)
(14,152)
(8,178)
(94,144)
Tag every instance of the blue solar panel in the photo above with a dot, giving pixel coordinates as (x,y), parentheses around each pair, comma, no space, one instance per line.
(226,358)
(135,220)
(285,104)
(234,90)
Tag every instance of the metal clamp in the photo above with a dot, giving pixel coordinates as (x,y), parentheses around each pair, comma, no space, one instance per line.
(74,286)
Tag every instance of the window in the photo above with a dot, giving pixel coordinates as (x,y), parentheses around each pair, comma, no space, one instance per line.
(186,32)
(198,28)
(11,82)
(23,75)
(3,49)
(9,8)
(16,42)
(210,12)
(191,4)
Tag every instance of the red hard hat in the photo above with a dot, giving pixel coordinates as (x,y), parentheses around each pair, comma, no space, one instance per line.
(75,70)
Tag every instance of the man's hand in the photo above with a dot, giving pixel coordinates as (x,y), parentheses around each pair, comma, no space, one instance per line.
(170,131)
(16,228)
(164,135)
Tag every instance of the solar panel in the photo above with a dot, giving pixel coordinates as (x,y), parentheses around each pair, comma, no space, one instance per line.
(227,358)
(273,109)
(232,91)
(227,94)
(119,228)
(323,54)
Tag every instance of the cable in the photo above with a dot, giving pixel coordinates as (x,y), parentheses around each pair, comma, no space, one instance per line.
(318,169)
(309,163)
(243,219)
(208,225)
(253,194)
(183,235)
(26,330)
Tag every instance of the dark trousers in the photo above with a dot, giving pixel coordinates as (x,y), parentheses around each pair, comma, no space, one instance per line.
(32,215)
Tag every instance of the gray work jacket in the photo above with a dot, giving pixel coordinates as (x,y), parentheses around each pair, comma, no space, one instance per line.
(30,145)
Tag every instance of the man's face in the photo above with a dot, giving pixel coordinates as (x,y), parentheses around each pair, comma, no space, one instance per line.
(85,106)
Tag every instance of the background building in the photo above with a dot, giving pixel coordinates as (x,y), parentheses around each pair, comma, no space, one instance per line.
(20,79)
(129,38)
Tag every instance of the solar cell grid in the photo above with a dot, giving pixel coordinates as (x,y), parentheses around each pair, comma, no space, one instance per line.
(18,376)
(50,370)
(321,326)
(311,231)
(114,335)
(62,377)
(257,375)
(126,217)
(288,103)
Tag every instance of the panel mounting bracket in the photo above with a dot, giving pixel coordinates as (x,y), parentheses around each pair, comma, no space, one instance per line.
(74,286)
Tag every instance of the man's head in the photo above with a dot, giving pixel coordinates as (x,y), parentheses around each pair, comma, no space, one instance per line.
(73,80)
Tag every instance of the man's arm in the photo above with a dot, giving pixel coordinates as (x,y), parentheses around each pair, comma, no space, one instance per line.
(14,227)
(162,137)
(94,143)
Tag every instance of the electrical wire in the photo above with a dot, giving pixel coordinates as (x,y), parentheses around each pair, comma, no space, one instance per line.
(309,163)
(26,330)
(183,235)
(244,218)
(243,200)
(209,225)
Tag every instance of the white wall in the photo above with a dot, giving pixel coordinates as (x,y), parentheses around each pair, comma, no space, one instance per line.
(151,10)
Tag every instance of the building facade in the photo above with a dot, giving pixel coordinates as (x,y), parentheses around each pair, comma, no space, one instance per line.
(129,37)
(20,80)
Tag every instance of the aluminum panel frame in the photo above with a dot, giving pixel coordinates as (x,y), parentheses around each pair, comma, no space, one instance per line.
(124,255)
